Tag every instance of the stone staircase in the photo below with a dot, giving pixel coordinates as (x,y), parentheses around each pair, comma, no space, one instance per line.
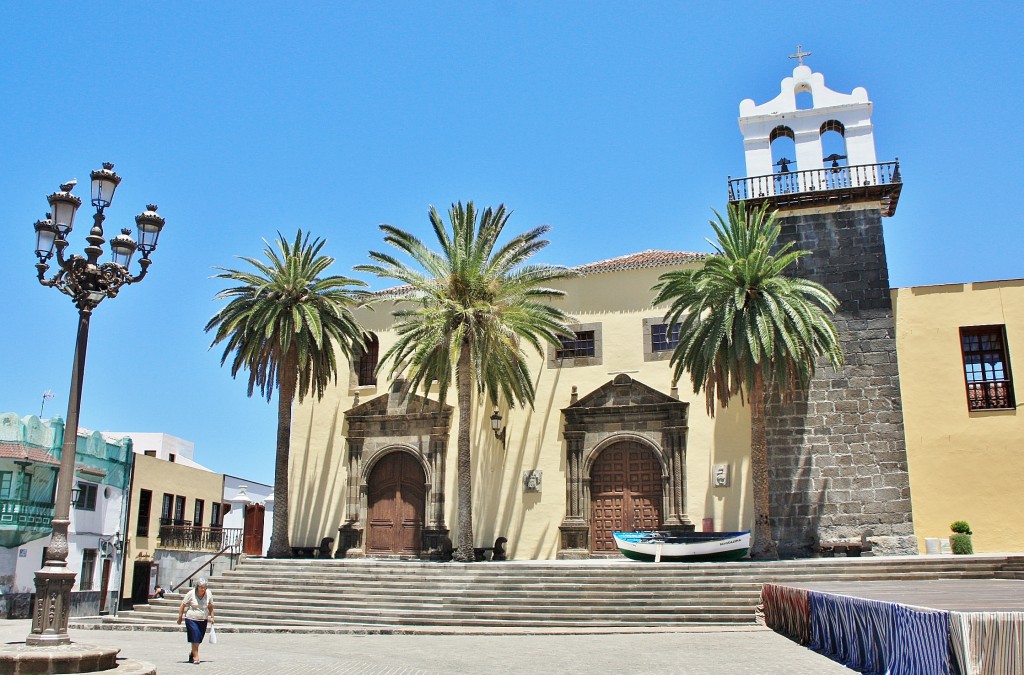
(549,596)
(1013,569)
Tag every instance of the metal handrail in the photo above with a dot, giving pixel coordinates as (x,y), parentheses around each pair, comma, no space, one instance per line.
(814,180)
(200,568)
(192,538)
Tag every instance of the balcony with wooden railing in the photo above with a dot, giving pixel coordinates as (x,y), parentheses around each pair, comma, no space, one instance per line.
(23,520)
(192,538)
(817,187)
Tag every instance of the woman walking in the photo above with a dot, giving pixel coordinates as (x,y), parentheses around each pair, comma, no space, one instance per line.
(197,610)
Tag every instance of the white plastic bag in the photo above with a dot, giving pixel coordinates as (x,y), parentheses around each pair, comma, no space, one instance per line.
(213,635)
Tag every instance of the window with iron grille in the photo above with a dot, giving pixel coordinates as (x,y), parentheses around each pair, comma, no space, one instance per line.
(198,520)
(145,506)
(986,368)
(664,337)
(583,348)
(88,569)
(581,344)
(86,497)
(659,338)
(215,514)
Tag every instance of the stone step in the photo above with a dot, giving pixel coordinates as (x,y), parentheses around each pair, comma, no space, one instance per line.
(310,593)
(479,619)
(334,587)
(629,567)
(590,612)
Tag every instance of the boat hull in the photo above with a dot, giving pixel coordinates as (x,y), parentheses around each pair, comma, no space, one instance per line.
(683,547)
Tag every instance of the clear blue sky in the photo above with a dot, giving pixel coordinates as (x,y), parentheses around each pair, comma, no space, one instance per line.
(615,123)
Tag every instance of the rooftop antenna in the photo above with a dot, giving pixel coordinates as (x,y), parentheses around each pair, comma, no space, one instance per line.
(47,395)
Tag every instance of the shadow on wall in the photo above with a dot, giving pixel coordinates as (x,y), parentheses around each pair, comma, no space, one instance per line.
(318,514)
(731,506)
(500,507)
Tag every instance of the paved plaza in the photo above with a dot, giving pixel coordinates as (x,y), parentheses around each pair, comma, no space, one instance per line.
(729,651)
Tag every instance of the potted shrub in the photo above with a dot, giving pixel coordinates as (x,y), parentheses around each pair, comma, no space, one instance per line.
(960,540)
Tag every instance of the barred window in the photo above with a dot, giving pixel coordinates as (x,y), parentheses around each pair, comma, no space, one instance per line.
(581,344)
(986,368)
(664,337)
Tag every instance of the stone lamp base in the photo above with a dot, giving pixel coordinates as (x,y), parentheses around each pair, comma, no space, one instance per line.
(22,659)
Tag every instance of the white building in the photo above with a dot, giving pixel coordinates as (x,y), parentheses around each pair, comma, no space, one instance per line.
(252,510)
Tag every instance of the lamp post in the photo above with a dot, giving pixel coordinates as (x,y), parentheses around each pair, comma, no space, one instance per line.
(87,281)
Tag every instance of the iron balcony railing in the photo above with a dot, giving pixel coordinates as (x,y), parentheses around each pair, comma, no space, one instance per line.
(789,186)
(990,395)
(191,538)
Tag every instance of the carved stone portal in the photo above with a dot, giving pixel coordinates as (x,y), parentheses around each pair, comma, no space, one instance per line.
(622,410)
(398,421)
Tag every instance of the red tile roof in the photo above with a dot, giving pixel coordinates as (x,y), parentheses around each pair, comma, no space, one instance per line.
(635,261)
(23,452)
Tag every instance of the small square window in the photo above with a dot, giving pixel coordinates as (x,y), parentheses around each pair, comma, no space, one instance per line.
(582,349)
(581,344)
(660,339)
(86,497)
(664,337)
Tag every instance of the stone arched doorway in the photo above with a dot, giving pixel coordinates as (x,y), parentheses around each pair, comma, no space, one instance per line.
(396,504)
(623,414)
(404,424)
(625,493)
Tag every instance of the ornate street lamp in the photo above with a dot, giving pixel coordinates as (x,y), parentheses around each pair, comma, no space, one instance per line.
(87,281)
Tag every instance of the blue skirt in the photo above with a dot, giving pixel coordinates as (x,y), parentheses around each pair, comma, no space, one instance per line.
(196,630)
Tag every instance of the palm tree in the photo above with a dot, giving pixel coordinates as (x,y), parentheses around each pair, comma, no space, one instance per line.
(285,324)
(465,312)
(746,328)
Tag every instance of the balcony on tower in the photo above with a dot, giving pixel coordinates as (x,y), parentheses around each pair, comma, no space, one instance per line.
(813,147)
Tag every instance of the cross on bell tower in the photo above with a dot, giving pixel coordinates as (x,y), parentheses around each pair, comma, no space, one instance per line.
(800,54)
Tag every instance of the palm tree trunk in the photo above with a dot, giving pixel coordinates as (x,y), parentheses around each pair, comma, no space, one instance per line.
(764,546)
(286,379)
(464,466)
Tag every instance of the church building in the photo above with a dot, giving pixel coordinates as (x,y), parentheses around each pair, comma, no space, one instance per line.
(612,442)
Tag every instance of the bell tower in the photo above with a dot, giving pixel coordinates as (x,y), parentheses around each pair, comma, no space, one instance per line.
(837,454)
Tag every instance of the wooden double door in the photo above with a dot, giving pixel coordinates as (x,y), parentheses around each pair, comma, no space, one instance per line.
(625,493)
(252,529)
(396,503)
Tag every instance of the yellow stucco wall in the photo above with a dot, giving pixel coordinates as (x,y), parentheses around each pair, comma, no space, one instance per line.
(963,465)
(619,301)
(160,476)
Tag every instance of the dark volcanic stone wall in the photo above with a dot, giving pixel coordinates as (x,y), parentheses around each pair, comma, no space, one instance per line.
(837,456)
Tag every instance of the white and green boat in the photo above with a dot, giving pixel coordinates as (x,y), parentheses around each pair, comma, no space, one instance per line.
(683,546)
